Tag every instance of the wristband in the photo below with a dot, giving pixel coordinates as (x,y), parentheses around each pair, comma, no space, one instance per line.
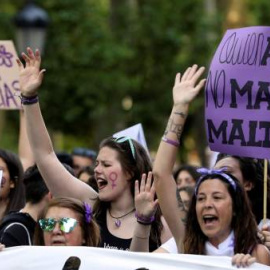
(28,100)
(143,220)
(171,142)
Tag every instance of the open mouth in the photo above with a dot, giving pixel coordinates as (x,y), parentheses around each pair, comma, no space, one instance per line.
(101,183)
(209,219)
(57,243)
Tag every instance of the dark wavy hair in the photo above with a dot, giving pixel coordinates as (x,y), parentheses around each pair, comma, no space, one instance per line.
(17,194)
(253,171)
(91,232)
(243,221)
(134,166)
(35,187)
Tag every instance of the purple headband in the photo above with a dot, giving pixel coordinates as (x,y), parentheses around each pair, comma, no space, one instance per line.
(87,212)
(204,172)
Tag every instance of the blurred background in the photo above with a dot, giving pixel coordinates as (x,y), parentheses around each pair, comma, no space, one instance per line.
(111,64)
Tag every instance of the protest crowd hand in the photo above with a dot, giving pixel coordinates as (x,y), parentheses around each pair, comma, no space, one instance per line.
(30,75)
(264,235)
(243,260)
(186,87)
(145,202)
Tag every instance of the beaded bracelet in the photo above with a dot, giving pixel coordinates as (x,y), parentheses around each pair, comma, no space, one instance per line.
(171,142)
(29,100)
(143,220)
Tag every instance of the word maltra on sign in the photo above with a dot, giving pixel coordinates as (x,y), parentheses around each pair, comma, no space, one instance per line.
(9,77)
(237,94)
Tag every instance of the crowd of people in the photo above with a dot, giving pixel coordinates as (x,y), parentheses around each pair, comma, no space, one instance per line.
(115,198)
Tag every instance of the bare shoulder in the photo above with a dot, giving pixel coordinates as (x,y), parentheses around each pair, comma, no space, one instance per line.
(262,254)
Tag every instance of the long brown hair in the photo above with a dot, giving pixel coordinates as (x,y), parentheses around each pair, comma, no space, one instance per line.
(135,162)
(243,221)
(90,230)
(252,170)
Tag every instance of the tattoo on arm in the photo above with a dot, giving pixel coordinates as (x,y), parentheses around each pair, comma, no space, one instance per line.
(167,127)
(179,200)
(174,128)
(181,206)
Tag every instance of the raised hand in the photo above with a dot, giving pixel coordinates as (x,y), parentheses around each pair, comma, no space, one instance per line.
(145,202)
(265,235)
(30,75)
(186,87)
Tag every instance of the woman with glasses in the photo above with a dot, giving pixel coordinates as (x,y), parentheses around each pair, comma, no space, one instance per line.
(119,163)
(67,222)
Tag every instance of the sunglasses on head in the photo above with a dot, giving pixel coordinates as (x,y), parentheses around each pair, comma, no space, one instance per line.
(129,140)
(66,225)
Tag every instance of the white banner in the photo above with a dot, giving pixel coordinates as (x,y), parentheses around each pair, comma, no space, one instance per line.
(88,258)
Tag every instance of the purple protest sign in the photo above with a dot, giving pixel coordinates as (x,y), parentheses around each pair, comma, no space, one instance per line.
(237,94)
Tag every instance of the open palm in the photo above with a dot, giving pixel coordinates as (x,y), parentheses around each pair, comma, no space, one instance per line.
(30,75)
(145,202)
(186,87)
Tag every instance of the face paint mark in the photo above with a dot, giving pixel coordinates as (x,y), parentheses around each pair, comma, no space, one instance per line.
(113,178)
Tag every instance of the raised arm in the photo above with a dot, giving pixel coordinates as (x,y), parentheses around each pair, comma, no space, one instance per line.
(25,152)
(146,206)
(184,91)
(58,179)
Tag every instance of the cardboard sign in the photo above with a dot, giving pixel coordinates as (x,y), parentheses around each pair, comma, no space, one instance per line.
(237,94)
(9,77)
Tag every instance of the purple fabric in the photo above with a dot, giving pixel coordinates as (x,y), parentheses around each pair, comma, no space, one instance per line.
(169,141)
(144,220)
(222,172)
(87,212)
(237,94)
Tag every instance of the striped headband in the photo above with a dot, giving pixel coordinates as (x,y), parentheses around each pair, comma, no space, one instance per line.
(205,172)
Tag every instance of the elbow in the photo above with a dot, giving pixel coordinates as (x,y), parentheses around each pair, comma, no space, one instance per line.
(161,172)
(157,173)
(162,178)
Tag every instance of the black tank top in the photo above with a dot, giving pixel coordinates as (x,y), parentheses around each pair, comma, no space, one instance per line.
(110,241)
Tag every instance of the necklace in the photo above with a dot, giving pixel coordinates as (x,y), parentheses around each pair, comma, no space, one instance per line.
(117,221)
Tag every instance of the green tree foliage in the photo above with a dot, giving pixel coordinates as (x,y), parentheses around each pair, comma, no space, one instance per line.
(99,52)
(260,12)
